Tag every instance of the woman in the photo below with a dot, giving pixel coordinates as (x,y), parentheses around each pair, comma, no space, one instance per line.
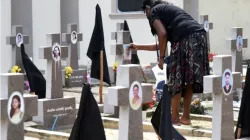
(56,53)
(136,100)
(15,112)
(189,52)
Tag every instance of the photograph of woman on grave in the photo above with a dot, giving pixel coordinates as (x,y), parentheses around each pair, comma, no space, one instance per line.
(19,39)
(239,43)
(188,55)
(16,108)
(127,52)
(74,37)
(135,95)
(56,52)
(227,82)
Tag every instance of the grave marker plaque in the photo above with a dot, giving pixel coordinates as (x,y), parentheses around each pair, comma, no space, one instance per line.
(130,117)
(223,124)
(55,105)
(207,26)
(15,40)
(12,128)
(236,43)
(72,38)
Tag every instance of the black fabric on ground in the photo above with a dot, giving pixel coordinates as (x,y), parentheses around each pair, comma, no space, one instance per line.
(244,114)
(162,121)
(36,80)
(88,124)
(134,57)
(95,46)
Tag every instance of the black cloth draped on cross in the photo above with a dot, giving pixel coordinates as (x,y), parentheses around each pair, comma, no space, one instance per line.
(88,124)
(134,57)
(95,46)
(162,121)
(36,80)
(244,114)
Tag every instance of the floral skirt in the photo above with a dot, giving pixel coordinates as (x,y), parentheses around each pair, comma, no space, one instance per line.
(189,62)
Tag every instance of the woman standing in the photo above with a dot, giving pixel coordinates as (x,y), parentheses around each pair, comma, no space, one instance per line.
(188,56)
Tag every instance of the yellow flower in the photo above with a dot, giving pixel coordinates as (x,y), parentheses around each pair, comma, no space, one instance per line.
(66,77)
(15,67)
(19,70)
(13,71)
(115,64)
(67,72)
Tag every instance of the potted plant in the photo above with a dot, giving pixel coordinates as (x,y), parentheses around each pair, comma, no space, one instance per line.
(68,73)
(197,107)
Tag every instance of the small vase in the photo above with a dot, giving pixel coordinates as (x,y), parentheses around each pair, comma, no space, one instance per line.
(144,115)
(67,84)
(115,77)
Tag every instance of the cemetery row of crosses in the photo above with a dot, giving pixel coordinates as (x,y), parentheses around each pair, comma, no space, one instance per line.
(130,99)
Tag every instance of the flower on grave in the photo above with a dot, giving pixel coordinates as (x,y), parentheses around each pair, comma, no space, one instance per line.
(15,69)
(68,72)
(210,56)
(115,66)
(27,85)
(197,107)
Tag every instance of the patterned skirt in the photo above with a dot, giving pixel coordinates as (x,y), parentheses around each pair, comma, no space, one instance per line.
(189,62)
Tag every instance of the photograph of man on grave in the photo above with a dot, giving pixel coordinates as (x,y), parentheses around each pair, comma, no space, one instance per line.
(74,37)
(135,95)
(127,52)
(227,81)
(239,43)
(19,39)
(16,108)
(56,52)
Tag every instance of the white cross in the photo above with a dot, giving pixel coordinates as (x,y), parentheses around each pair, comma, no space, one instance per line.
(207,26)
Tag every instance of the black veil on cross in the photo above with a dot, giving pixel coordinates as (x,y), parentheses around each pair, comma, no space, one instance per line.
(36,80)
(243,124)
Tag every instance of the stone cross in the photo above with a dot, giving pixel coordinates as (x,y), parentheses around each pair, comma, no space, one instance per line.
(122,38)
(54,72)
(10,83)
(223,118)
(72,59)
(207,26)
(16,50)
(236,53)
(130,120)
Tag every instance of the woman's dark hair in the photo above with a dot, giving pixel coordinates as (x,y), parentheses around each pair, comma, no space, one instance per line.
(152,3)
(136,86)
(227,73)
(58,50)
(12,111)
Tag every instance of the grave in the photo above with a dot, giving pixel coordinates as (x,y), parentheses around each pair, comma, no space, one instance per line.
(55,108)
(16,49)
(11,83)
(236,51)
(130,118)
(207,26)
(222,122)
(72,38)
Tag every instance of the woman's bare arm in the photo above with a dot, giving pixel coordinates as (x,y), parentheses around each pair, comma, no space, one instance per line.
(146,47)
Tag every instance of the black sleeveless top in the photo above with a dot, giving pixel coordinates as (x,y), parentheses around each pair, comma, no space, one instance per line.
(176,21)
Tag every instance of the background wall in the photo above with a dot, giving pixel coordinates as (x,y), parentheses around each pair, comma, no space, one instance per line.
(226,14)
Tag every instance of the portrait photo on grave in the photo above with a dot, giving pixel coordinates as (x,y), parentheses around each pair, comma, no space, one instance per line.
(135,95)
(74,37)
(227,82)
(19,39)
(56,52)
(206,26)
(127,52)
(16,107)
(239,43)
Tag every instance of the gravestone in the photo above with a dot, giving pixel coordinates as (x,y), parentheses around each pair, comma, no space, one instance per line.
(207,26)
(71,38)
(236,52)
(130,120)
(223,117)
(55,105)
(16,49)
(11,84)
